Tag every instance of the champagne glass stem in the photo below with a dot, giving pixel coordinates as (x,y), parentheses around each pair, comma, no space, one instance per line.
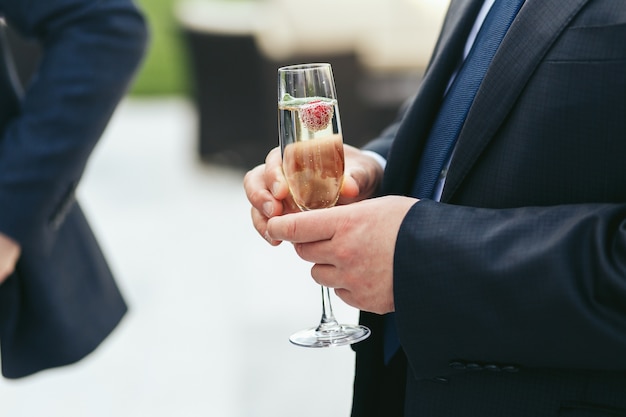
(328,321)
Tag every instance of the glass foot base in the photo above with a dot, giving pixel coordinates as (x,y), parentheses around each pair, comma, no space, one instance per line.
(340,335)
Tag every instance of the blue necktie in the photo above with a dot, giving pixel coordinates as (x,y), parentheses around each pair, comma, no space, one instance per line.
(452,114)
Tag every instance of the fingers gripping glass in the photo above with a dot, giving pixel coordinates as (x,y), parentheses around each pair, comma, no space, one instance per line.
(313,163)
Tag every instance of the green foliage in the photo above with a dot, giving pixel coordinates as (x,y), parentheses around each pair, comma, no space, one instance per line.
(164,70)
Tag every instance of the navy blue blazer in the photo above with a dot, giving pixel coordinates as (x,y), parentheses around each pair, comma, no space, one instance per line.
(62,301)
(510,294)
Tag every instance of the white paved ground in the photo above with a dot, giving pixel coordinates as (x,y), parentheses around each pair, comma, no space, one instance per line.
(211,304)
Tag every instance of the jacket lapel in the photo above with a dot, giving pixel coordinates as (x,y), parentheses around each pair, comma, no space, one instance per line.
(535,29)
(413,131)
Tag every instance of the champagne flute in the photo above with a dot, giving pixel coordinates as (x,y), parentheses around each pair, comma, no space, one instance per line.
(313,163)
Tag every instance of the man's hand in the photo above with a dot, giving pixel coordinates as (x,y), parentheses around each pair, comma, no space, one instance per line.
(10,252)
(362,176)
(268,192)
(352,247)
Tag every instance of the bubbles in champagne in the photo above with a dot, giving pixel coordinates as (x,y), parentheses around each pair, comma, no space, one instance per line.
(314,170)
(312,147)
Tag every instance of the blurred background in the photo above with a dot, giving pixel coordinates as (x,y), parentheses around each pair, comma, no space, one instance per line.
(211,304)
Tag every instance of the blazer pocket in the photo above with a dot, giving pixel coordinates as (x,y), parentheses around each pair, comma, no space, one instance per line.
(579,409)
(590,43)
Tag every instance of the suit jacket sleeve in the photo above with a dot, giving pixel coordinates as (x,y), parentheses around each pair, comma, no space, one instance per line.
(382,143)
(534,286)
(91,50)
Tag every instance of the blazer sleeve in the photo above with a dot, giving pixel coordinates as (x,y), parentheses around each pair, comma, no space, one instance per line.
(91,50)
(521,287)
(382,144)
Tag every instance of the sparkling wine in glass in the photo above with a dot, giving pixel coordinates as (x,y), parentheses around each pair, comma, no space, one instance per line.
(313,163)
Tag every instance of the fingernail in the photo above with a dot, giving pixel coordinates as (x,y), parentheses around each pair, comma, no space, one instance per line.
(267,237)
(268,209)
(275,187)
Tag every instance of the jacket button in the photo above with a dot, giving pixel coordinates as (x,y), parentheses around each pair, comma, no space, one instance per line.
(473,367)
(492,368)
(510,368)
(456,365)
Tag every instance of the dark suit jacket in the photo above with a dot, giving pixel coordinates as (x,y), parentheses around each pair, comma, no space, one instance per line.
(510,294)
(62,300)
